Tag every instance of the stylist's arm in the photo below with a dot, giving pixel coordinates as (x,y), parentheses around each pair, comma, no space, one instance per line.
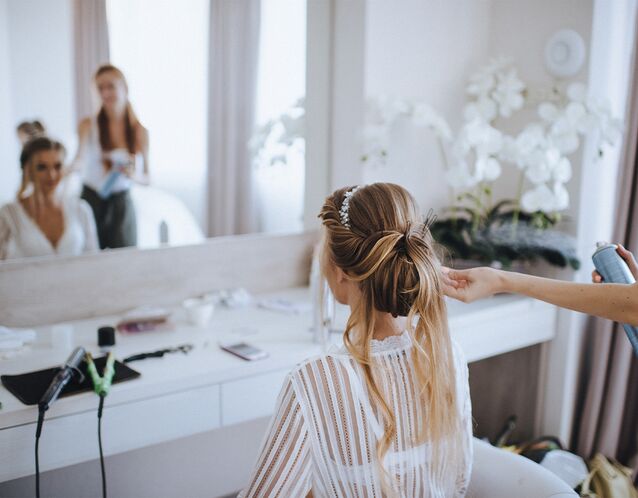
(617,302)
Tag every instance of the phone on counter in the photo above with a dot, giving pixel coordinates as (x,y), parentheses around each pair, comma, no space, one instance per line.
(245,351)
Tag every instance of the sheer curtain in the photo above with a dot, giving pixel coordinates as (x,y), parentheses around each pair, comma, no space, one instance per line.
(91,45)
(233,63)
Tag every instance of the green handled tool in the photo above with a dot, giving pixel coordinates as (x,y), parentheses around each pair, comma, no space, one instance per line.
(101,384)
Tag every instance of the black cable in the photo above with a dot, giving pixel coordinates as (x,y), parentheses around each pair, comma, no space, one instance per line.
(99,438)
(38,432)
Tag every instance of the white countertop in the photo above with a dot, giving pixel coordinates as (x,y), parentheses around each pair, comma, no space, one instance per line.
(286,337)
(208,389)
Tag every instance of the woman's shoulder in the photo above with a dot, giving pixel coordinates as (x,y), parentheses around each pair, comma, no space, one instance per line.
(10,216)
(9,209)
(319,364)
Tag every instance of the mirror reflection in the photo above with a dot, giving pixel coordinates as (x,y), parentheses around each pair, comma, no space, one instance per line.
(139,125)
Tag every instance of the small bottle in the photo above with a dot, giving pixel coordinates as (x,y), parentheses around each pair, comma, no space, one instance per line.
(614,270)
(106,338)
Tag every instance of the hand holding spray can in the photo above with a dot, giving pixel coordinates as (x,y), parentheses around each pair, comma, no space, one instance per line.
(614,270)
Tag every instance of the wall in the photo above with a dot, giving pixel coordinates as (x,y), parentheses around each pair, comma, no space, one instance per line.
(9,170)
(427,50)
(520,30)
(42,73)
(39,78)
(424,50)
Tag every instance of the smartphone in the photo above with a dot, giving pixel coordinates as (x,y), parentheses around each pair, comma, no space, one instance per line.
(245,351)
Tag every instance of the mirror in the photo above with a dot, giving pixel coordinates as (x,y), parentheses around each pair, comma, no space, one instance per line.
(196,130)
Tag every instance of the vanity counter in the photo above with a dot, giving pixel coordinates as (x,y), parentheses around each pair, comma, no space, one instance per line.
(206,389)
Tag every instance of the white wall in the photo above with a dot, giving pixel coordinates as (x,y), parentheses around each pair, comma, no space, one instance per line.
(520,30)
(36,79)
(428,49)
(9,169)
(41,46)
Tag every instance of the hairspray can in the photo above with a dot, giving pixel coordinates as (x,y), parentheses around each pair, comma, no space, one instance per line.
(614,270)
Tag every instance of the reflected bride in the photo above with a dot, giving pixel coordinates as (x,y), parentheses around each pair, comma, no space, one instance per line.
(40,222)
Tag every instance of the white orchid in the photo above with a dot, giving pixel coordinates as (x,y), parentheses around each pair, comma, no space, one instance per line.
(487,168)
(271,142)
(425,116)
(480,151)
(481,137)
(484,108)
(561,197)
(508,93)
(548,111)
(459,176)
(497,90)
(481,83)
(375,139)
(541,198)
(539,172)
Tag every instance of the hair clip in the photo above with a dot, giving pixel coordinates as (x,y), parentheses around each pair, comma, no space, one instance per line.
(345,206)
(428,220)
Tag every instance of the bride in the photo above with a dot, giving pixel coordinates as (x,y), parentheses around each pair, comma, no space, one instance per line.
(389,414)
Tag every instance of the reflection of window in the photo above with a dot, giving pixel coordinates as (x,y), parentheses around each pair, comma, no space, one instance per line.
(281,82)
(162,48)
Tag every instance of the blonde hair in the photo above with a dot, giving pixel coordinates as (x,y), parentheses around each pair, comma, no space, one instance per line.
(388,250)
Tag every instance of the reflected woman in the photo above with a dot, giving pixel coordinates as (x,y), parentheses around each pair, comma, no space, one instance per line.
(40,222)
(112,154)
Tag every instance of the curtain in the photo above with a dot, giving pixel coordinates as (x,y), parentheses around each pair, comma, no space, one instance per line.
(233,64)
(609,395)
(91,47)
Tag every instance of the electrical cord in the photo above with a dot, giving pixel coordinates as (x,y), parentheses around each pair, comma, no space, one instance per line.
(184,348)
(38,432)
(99,439)
(101,386)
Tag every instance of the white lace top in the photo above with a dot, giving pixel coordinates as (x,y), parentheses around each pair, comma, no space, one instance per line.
(322,437)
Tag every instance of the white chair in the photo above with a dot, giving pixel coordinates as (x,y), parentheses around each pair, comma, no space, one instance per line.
(162,215)
(498,473)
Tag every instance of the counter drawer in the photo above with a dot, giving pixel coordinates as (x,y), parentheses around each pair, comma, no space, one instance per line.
(250,398)
(71,439)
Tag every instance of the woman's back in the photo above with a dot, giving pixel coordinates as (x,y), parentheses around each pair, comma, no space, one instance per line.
(325,432)
(378,418)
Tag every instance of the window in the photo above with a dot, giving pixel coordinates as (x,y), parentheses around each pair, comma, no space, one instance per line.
(162,48)
(281,82)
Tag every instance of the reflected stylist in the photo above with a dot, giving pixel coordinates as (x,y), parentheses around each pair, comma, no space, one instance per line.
(113,153)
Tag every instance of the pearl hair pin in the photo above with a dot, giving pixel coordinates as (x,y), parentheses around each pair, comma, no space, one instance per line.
(345,206)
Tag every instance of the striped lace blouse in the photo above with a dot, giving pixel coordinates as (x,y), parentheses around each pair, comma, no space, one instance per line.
(322,437)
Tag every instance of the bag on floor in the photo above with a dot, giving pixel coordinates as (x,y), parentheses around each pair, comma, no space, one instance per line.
(608,479)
